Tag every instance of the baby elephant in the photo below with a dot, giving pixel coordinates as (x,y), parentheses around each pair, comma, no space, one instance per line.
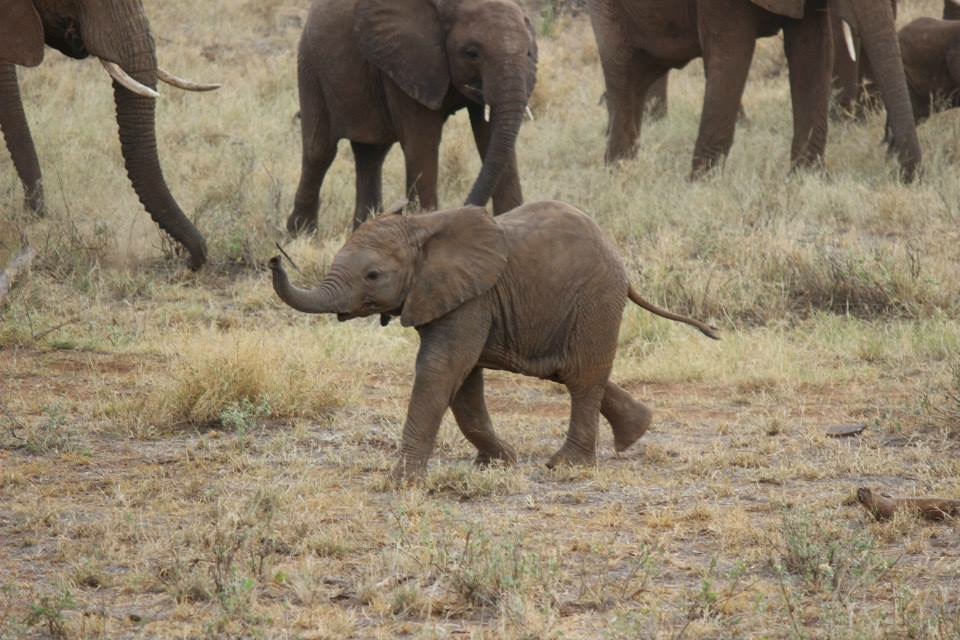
(931,61)
(539,290)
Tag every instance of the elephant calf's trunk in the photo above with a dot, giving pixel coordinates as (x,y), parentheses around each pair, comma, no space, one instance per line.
(320,300)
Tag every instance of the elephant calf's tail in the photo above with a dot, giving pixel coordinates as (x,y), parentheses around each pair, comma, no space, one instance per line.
(705,329)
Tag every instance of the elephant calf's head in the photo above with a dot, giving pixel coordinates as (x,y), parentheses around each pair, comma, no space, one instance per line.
(422,267)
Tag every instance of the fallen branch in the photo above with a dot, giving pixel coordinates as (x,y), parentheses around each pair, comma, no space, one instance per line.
(16,267)
(882,506)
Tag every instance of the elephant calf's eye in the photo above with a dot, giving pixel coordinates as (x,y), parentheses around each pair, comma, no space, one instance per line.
(372,275)
(471,53)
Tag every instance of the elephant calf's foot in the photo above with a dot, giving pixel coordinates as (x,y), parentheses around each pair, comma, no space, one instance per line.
(574,456)
(504,455)
(629,425)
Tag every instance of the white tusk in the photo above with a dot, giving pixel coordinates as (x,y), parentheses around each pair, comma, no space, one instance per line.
(527,112)
(956,2)
(486,113)
(121,76)
(186,85)
(848,38)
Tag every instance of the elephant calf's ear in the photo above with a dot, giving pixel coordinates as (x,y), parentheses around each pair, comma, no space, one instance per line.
(462,254)
(21,33)
(405,39)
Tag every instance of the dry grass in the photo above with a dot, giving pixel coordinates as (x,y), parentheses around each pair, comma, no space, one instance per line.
(183,456)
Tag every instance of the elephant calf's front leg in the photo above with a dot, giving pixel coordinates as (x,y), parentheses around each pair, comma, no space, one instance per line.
(449,350)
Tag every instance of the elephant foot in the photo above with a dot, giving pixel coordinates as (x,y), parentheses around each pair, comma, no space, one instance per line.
(613,156)
(573,456)
(408,473)
(302,222)
(33,200)
(629,425)
(503,455)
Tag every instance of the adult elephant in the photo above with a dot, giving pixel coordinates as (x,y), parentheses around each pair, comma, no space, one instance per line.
(376,72)
(640,40)
(118,33)
(854,85)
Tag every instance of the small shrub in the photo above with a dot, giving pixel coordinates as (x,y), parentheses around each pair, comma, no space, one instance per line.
(236,379)
(826,559)
(942,408)
(50,434)
(48,612)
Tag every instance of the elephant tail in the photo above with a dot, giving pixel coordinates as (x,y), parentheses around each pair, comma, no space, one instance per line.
(705,329)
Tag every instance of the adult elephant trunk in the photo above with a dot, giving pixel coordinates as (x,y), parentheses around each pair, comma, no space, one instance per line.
(136,117)
(506,118)
(326,298)
(876,24)
(16,131)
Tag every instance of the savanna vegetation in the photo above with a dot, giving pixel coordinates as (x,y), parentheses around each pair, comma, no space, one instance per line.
(181,455)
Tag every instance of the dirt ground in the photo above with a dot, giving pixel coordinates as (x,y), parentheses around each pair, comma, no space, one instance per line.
(733,517)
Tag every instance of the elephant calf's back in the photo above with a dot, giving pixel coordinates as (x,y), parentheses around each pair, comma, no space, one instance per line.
(561,297)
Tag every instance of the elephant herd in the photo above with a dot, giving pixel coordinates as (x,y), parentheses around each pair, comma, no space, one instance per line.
(538,289)
(377,72)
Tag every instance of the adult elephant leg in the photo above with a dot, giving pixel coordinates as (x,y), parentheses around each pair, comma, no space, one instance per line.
(369,164)
(728,37)
(449,350)
(470,411)
(656,102)
(951,11)
(629,77)
(420,140)
(580,447)
(807,46)
(319,148)
(628,418)
(16,131)
(508,194)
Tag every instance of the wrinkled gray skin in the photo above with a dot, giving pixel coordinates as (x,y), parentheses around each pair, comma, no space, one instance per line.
(539,290)
(115,31)
(376,72)
(641,40)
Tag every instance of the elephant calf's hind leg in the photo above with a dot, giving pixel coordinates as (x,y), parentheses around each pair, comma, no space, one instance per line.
(580,447)
(628,418)
(470,410)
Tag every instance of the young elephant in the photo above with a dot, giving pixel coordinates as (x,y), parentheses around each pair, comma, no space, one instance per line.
(539,290)
(376,72)
(931,61)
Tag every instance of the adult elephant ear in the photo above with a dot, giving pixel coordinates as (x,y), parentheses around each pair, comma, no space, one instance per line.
(405,39)
(21,33)
(461,255)
(789,8)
